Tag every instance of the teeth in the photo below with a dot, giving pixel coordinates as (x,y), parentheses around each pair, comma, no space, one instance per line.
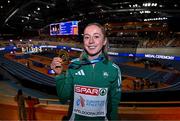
(92,47)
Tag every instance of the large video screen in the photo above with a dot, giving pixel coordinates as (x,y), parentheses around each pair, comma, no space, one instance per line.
(64,28)
(54,29)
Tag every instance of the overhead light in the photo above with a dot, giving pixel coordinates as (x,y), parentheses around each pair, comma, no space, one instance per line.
(145,12)
(149,4)
(135,5)
(36,12)
(154,4)
(38,8)
(37,19)
(156,19)
(26,17)
(1,6)
(160,6)
(175,5)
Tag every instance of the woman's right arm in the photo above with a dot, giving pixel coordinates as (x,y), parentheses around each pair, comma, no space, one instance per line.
(64,86)
(63,81)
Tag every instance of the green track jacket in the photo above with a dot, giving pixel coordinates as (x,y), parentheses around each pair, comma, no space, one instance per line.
(94,91)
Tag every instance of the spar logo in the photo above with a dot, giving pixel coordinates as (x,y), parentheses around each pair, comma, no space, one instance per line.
(87,90)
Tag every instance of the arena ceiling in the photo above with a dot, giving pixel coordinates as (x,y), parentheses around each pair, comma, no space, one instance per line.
(29,16)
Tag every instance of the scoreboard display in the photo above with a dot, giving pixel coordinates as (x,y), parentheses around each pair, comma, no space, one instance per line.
(64,28)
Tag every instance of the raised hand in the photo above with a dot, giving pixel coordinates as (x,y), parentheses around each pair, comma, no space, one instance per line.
(56,65)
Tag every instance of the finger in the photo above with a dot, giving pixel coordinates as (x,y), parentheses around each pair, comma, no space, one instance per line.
(55,60)
(52,65)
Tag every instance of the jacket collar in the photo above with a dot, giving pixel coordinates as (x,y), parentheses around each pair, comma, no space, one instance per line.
(100,58)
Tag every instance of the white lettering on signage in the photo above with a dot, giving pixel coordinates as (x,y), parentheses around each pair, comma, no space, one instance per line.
(87,90)
(159,56)
(112,53)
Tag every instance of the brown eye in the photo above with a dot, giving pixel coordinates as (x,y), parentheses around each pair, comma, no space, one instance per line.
(96,37)
(86,37)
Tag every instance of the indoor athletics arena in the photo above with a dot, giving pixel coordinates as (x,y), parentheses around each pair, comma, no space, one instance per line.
(144,41)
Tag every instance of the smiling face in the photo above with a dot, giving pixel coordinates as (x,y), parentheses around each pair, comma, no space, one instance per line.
(94,40)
